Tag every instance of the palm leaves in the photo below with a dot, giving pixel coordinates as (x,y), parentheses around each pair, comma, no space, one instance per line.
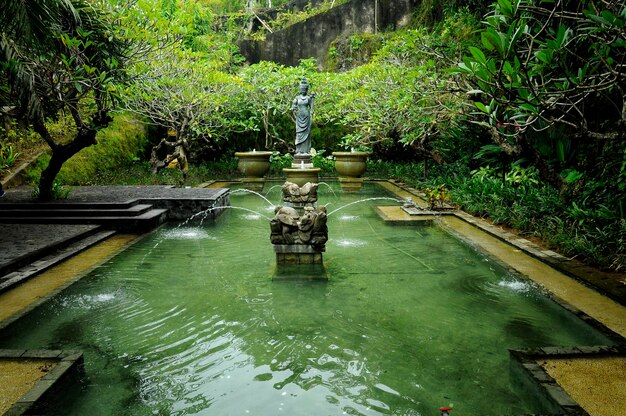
(34,20)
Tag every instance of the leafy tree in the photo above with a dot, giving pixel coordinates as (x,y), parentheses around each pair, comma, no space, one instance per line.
(178,90)
(404,96)
(58,56)
(549,84)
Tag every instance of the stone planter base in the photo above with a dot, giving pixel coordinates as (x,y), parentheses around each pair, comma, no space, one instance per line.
(350,184)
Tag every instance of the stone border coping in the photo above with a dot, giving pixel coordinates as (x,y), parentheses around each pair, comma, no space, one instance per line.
(567,266)
(42,264)
(68,361)
(538,381)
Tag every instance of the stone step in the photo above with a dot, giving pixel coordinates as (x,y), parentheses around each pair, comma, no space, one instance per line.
(141,223)
(31,252)
(33,205)
(60,210)
(53,255)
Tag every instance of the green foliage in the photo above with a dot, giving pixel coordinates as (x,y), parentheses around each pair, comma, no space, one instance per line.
(584,227)
(278,162)
(541,73)
(431,12)
(325,163)
(20,138)
(350,51)
(69,64)
(8,157)
(437,196)
(58,191)
(378,168)
(120,144)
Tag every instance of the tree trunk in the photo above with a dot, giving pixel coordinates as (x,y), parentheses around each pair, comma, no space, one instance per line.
(60,154)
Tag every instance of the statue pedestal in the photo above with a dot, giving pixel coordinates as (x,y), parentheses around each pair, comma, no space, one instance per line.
(287,254)
(302,161)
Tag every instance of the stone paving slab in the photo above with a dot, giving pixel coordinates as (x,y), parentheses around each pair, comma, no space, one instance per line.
(7,281)
(27,241)
(116,194)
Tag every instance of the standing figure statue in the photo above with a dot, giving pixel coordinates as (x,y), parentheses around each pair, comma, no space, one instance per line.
(303,108)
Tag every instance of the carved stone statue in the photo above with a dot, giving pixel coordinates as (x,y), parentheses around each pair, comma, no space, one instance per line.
(307,194)
(284,226)
(303,108)
(287,227)
(319,234)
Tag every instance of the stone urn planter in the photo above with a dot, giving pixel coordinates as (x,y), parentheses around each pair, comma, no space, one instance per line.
(253,166)
(350,166)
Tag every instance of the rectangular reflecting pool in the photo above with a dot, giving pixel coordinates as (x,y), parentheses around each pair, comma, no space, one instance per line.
(190,321)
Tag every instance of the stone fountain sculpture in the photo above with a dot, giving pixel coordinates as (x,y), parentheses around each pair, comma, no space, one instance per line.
(298,229)
(300,196)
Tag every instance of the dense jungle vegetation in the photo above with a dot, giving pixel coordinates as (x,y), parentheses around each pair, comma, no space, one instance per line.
(512,110)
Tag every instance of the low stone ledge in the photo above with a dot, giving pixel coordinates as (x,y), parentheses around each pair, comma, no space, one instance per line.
(525,363)
(33,400)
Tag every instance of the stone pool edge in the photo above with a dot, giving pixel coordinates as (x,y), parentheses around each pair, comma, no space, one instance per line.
(524,359)
(68,362)
(557,261)
(533,377)
(529,375)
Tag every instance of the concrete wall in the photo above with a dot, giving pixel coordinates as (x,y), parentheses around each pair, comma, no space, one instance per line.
(311,38)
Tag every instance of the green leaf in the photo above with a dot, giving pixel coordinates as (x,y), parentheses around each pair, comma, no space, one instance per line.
(505,7)
(528,107)
(478,55)
(482,107)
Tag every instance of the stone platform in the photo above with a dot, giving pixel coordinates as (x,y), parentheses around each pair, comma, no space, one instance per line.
(34,236)
(297,254)
(181,203)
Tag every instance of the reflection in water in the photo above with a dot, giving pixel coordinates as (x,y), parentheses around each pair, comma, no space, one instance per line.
(188,321)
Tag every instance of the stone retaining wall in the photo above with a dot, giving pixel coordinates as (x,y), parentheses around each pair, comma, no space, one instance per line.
(312,37)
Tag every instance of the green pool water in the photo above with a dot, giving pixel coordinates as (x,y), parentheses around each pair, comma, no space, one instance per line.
(190,321)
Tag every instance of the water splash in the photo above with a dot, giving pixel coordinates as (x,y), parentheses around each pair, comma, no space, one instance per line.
(515,285)
(249,191)
(347,217)
(192,233)
(204,214)
(272,188)
(329,187)
(376,198)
